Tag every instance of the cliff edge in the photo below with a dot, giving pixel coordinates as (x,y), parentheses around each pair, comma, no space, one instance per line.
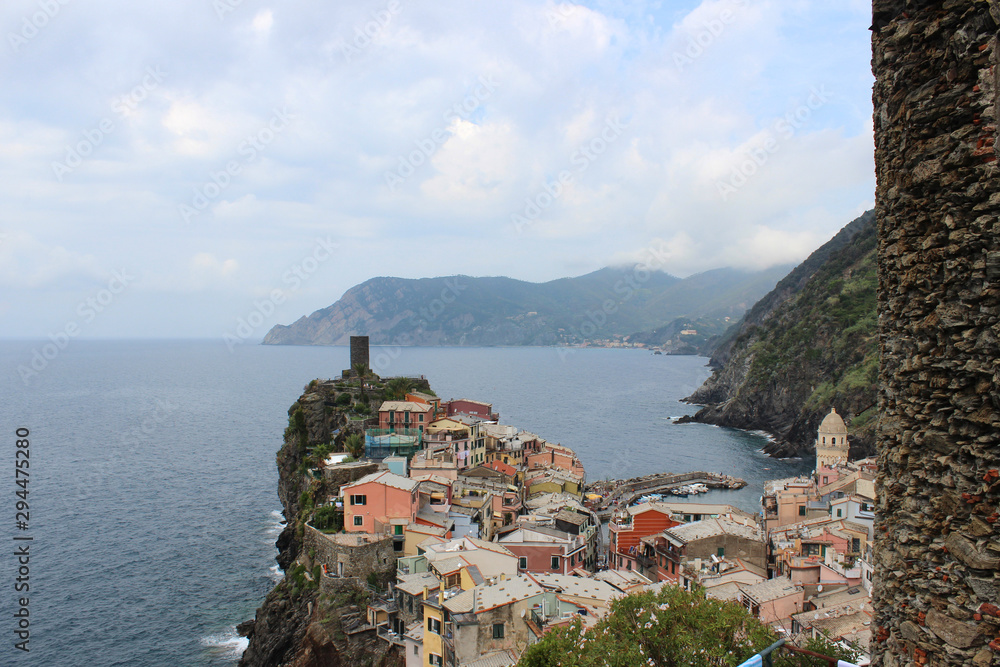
(807,346)
(305,621)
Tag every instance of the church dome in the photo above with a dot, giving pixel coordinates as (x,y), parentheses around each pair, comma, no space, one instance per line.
(833,423)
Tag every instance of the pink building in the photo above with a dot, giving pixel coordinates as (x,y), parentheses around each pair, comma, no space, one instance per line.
(469,407)
(541,549)
(381,503)
(556,456)
(394,415)
(773,601)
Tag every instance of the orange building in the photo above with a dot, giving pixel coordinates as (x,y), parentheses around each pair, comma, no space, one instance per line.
(627,530)
(381,503)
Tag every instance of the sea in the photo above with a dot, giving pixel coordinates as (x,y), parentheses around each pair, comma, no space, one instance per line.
(152,507)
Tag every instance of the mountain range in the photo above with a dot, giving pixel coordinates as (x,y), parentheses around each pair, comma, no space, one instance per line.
(604,305)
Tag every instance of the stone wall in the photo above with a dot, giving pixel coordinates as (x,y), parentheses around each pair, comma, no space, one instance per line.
(360,553)
(937,545)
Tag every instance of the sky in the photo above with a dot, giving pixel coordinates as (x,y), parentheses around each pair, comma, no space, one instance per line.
(171,169)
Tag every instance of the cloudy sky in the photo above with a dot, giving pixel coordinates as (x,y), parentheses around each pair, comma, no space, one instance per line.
(168,168)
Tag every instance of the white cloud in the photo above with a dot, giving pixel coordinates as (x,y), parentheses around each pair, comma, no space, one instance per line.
(561,70)
(26,262)
(263,21)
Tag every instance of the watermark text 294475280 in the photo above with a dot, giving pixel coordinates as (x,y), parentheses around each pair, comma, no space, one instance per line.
(22,540)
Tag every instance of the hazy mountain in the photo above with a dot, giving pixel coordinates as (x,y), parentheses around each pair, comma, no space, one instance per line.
(808,345)
(462,310)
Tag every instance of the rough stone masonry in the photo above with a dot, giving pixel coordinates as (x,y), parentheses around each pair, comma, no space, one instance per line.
(937,536)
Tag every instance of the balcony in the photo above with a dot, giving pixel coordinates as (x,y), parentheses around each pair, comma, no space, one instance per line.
(385,634)
(646,562)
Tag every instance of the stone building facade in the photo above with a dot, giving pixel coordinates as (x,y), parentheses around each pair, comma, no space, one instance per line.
(937,543)
(350,554)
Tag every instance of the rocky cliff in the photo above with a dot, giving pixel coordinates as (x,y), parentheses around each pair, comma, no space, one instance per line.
(302,623)
(462,310)
(807,346)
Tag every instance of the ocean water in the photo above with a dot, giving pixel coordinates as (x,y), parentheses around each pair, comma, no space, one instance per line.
(152,493)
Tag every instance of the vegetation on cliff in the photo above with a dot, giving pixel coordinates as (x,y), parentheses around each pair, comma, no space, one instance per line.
(298,624)
(462,310)
(807,346)
(671,627)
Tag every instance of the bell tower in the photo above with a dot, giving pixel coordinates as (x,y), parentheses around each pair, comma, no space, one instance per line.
(831,441)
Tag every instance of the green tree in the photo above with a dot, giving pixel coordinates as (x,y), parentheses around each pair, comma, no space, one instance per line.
(354,444)
(669,628)
(397,388)
(328,517)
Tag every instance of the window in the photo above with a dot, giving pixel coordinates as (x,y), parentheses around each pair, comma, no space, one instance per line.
(359,500)
(555,562)
(826,480)
(802,510)
(392,416)
(840,512)
(398,530)
(416,649)
(522,563)
(721,552)
(359,521)
(420,417)
(498,631)
(434,625)
(435,660)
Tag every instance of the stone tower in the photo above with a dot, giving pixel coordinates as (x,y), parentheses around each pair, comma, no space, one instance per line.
(831,441)
(937,526)
(359,351)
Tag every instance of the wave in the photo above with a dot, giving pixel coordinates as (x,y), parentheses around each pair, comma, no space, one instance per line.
(226,644)
(276,573)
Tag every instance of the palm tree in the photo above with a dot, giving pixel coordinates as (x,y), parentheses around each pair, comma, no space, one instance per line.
(397,388)
(354,445)
(361,370)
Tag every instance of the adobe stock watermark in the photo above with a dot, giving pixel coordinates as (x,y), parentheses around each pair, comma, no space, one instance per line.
(427,146)
(710,31)
(581,160)
(560,13)
(365,34)
(87,310)
(655,258)
(224,8)
(95,136)
(425,314)
(33,24)
(782,129)
(249,149)
(293,278)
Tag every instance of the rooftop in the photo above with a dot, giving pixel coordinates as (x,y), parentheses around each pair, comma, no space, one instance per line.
(404,406)
(414,584)
(706,528)
(385,478)
(583,587)
(489,596)
(504,658)
(772,589)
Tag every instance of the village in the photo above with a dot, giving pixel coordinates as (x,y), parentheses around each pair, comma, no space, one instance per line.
(491,537)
